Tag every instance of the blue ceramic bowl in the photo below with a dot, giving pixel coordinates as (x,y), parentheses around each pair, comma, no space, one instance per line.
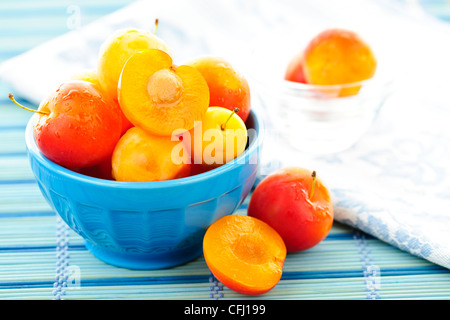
(146,225)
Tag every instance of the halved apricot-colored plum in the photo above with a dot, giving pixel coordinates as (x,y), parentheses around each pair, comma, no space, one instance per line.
(142,157)
(160,97)
(244,253)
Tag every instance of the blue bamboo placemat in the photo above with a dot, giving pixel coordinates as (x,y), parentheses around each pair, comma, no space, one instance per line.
(40,258)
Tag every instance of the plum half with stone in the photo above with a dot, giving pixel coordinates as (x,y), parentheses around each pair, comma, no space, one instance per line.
(160,97)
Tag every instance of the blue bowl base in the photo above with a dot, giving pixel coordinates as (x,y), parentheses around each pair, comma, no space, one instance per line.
(145,261)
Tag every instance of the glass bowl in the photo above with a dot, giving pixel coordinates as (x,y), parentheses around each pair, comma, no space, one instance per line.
(314,118)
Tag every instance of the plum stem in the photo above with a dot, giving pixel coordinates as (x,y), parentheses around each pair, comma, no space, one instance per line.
(156,26)
(313,175)
(11,97)
(235,110)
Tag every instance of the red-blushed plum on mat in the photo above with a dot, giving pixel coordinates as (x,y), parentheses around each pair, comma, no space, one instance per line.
(296,204)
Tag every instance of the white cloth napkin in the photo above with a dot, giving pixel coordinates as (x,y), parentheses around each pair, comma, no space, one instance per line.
(394,183)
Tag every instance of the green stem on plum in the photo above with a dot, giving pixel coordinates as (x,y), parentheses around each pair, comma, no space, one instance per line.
(11,97)
(156,26)
(235,110)
(313,175)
